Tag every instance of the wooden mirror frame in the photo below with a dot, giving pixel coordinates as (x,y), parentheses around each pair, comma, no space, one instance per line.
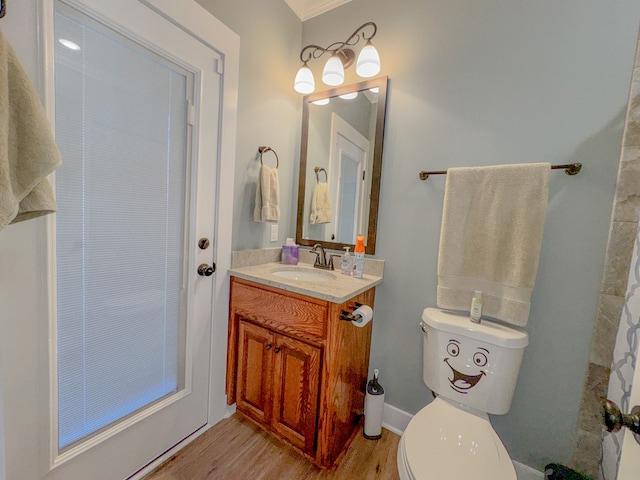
(381,84)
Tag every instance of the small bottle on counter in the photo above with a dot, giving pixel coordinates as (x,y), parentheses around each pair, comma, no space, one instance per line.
(476,307)
(290,252)
(347,264)
(358,260)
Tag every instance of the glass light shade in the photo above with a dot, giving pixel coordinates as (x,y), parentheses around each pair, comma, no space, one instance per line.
(322,101)
(333,73)
(304,82)
(349,96)
(368,62)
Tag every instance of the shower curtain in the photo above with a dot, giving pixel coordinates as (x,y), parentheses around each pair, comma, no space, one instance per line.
(623,364)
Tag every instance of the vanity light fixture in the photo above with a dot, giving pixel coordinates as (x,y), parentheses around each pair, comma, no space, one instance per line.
(322,101)
(342,56)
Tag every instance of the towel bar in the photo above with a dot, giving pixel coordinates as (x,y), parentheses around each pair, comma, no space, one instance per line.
(569,169)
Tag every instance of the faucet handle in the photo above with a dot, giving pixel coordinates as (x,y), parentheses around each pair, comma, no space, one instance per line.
(331,256)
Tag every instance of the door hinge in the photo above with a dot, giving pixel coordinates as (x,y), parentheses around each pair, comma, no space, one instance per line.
(218,66)
(191,114)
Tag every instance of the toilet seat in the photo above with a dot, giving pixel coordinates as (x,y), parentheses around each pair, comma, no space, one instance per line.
(446,442)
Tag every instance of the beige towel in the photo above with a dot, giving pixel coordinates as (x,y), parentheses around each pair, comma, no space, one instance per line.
(492,226)
(320,204)
(28,152)
(267,207)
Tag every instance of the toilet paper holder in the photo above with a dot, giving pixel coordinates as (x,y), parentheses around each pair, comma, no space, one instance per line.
(348,316)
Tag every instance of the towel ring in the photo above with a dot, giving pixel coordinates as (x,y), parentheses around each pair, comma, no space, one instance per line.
(318,170)
(268,149)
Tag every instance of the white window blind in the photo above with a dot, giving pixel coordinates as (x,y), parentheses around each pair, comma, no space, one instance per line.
(121,126)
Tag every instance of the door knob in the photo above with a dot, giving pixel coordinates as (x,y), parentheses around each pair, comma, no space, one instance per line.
(205,270)
(614,419)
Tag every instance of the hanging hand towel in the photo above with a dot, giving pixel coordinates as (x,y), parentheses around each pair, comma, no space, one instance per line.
(267,208)
(320,204)
(28,152)
(491,236)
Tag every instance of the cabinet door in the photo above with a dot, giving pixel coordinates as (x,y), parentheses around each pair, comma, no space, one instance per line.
(296,382)
(254,381)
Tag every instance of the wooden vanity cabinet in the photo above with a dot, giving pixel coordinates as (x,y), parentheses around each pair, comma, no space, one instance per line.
(296,369)
(277,383)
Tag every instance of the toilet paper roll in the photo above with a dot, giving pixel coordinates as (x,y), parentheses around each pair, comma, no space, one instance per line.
(364,314)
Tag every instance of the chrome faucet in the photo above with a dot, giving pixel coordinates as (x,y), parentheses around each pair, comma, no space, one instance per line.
(321,258)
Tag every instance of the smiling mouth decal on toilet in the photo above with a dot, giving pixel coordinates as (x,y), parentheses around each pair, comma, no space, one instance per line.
(462,382)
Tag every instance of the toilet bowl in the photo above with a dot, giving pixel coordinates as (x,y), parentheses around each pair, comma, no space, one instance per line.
(443,441)
(473,369)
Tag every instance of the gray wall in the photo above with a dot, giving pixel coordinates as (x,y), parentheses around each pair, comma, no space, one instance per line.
(486,82)
(269,110)
(471,83)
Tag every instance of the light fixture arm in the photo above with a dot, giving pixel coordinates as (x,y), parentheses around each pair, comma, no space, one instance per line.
(315,51)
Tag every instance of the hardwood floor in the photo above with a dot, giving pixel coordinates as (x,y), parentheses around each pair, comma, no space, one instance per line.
(236,449)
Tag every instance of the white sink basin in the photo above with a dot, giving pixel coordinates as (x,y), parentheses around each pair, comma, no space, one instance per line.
(302,274)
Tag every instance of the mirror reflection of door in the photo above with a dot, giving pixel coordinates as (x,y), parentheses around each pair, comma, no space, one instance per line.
(350,157)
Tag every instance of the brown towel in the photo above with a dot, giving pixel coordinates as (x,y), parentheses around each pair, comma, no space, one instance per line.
(28,152)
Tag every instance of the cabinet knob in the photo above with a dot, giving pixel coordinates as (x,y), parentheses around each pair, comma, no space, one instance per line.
(268,347)
(277,350)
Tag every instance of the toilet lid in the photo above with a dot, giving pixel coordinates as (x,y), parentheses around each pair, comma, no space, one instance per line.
(447,443)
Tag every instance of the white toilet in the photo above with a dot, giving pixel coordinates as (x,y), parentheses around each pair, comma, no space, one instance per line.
(473,369)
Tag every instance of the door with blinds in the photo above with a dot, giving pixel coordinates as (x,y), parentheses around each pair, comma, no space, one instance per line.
(136,194)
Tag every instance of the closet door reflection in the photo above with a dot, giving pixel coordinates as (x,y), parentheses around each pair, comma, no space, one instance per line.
(348,167)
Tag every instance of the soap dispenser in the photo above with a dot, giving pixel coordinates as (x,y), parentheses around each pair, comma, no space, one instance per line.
(347,264)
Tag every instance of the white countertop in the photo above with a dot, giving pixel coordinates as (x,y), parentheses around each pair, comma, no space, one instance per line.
(337,290)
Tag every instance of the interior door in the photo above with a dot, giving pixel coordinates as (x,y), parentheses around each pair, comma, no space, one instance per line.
(136,201)
(348,162)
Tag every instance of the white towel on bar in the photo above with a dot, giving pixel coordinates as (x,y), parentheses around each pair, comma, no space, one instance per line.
(267,207)
(320,204)
(491,236)
(28,152)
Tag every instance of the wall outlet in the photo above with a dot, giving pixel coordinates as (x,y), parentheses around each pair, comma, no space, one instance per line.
(274,232)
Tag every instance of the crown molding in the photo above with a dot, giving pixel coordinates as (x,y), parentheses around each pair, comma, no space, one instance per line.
(306,9)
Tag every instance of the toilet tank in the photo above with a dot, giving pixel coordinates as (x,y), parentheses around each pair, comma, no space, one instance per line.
(475,364)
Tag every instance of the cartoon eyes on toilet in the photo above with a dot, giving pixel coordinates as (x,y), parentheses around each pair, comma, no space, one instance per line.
(453,349)
(480,359)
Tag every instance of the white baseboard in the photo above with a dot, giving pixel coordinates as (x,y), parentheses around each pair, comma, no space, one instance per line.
(396,420)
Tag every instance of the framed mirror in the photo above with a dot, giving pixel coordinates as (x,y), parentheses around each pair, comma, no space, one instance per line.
(341,164)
